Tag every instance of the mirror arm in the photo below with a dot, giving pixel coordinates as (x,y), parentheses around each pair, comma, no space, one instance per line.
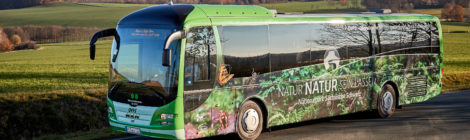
(166,55)
(174,36)
(101,34)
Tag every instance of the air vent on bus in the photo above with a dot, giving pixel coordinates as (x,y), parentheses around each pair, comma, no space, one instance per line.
(417,86)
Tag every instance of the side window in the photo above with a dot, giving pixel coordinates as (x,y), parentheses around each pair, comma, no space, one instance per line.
(406,37)
(289,46)
(359,38)
(328,39)
(394,38)
(420,41)
(200,58)
(245,49)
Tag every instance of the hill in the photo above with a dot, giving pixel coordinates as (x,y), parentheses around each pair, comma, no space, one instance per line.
(69,14)
(106,15)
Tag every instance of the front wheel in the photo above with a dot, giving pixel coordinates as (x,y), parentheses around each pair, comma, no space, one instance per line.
(386,101)
(250,121)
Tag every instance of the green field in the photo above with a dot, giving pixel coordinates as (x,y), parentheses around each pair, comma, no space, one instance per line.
(55,67)
(69,14)
(106,15)
(56,89)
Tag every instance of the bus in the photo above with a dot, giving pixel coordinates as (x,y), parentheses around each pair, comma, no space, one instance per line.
(190,71)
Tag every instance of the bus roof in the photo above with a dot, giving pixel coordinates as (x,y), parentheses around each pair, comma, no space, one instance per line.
(204,15)
(256,15)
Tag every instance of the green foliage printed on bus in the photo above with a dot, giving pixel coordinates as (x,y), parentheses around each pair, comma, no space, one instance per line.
(313,92)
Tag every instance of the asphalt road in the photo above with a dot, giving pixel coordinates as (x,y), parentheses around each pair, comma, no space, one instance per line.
(446,116)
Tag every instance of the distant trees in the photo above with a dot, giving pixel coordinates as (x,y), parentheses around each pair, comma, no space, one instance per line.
(398,5)
(18,38)
(453,11)
(14,38)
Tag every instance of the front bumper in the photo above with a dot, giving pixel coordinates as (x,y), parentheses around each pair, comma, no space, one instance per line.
(157,131)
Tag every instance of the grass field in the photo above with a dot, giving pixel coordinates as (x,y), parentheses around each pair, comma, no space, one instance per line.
(106,15)
(56,89)
(55,67)
(69,14)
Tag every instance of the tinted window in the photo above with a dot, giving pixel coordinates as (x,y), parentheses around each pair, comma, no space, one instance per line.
(304,44)
(354,40)
(406,37)
(245,49)
(289,46)
(435,44)
(326,38)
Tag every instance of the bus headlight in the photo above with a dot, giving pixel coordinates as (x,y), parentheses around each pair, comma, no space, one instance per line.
(110,110)
(166,123)
(166,116)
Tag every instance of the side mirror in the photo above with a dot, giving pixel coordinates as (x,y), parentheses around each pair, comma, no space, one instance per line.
(166,60)
(166,57)
(101,34)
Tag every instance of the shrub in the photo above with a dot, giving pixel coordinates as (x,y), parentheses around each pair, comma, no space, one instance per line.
(10,31)
(459,13)
(5,44)
(27,45)
(15,39)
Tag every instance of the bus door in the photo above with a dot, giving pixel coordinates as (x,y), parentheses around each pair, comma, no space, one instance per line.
(199,79)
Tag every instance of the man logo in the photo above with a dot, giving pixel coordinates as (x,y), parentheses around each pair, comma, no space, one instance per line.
(331,57)
(134,96)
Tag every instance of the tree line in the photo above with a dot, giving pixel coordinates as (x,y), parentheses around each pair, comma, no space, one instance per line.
(26,37)
(397,5)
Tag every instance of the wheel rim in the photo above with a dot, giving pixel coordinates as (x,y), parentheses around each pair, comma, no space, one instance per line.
(387,101)
(250,121)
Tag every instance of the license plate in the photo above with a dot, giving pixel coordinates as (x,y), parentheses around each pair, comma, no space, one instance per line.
(132,130)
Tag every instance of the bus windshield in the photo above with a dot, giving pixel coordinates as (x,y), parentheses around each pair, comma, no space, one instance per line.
(139,58)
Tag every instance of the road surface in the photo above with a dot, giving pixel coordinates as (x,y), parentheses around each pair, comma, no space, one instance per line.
(446,116)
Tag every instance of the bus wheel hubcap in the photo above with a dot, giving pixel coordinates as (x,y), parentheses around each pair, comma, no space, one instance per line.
(387,101)
(250,120)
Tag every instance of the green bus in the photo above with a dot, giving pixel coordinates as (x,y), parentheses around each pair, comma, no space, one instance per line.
(190,71)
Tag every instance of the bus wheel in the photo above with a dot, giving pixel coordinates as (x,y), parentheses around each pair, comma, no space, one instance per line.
(386,101)
(250,121)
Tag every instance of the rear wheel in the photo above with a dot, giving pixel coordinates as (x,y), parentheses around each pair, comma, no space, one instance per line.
(386,101)
(250,121)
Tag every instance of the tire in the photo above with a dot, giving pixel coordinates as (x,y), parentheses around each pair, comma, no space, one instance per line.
(250,113)
(386,101)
